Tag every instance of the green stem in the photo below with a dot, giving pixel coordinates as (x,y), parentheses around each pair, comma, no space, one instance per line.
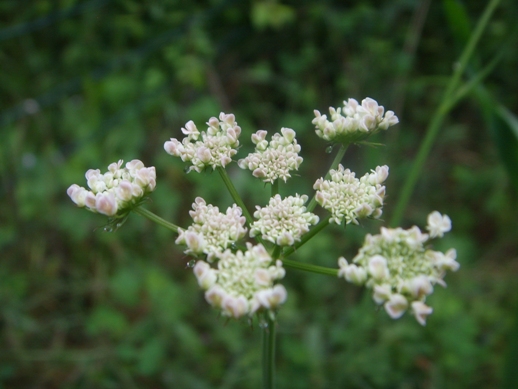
(315,230)
(268,352)
(334,165)
(310,268)
(233,192)
(275,188)
(157,219)
(433,128)
(276,251)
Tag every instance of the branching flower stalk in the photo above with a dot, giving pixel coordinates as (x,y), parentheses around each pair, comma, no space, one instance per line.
(240,258)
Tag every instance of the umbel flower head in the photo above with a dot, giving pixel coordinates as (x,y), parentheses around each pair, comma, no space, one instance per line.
(400,269)
(212,231)
(116,191)
(349,198)
(273,160)
(212,148)
(242,283)
(283,221)
(353,122)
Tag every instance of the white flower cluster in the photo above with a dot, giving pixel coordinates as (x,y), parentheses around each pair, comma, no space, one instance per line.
(400,269)
(116,190)
(354,122)
(212,231)
(275,159)
(243,283)
(283,222)
(216,147)
(349,198)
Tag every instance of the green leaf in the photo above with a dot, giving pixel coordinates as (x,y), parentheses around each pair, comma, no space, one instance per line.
(504,129)
(125,286)
(270,14)
(151,356)
(105,319)
(458,20)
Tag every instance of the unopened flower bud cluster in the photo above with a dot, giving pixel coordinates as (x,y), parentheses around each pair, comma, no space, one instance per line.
(353,122)
(349,198)
(273,160)
(115,191)
(212,148)
(243,283)
(283,221)
(212,231)
(400,269)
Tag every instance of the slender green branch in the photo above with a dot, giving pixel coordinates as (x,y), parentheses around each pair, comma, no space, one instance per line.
(470,47)
(157,219)
(476,80)
(233,192)
(309,268)
(268,351)
(275,188)
(447,103)
(334,165)
(276,252)
(315,230)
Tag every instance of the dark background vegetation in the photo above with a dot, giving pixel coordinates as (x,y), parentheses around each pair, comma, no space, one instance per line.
(85,83)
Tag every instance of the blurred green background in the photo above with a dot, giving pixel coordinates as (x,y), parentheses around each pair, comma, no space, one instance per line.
(85,83)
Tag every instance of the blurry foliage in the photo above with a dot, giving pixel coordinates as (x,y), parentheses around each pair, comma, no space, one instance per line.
(85,83)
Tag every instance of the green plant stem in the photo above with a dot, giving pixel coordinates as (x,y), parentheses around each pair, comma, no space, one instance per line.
(275,188)
(157,219)
(233,192)
(315,230)
(239,201)
(446,105)
(334,165)
(268,352)
(309,268)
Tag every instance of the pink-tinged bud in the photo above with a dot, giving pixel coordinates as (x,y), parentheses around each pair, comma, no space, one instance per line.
(77,194)
(173,147)
(235,306)
(396,306)
(378,267)
(368,123)
(90,200)
(262,277)
(420,286)
(190,129)
(204,274)
(134,165)
(288,134)
(259,136)
(259,173)
(215,296)
(371,106)
(271,298)
(106,204)
(225,160)
(355,274)
(229,119)
(231,135)
(124,190)
(136,190)
(448,261)
(421,311)
(381,293)
(203,154)
(194,241)
(285,239)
